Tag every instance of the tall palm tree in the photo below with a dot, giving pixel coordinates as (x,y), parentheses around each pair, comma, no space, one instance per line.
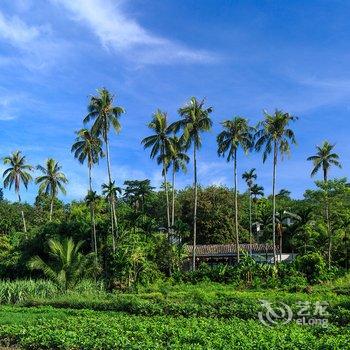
(195,119)
(88,147)
(69,266)
(18,172)
(275,136)
(104,116)
(324,159)
(52,181)
(249,177)
(160,145)
(110,191)
(237,133)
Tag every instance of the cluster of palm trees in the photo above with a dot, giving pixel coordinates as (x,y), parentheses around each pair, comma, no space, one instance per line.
(169,144)
(271,135)
(19,172)
(89,147)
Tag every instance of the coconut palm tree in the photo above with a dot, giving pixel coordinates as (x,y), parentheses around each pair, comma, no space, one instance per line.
(249,177)
(237,133)
(18,172)
(69,265)
(324,159)
(160,145)
(105,116)
(195,119)
(88,147)
(52,181)
(275,136)
(110,191)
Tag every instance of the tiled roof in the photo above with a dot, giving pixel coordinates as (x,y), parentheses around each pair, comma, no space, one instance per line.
(228,249)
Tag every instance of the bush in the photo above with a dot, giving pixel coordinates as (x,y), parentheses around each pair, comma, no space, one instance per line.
(313,266)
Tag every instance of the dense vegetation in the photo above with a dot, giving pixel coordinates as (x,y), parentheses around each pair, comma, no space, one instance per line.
(122,249)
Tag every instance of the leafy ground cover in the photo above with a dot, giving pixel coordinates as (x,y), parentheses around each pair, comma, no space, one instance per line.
(34,315)
(202,300)
(49,328)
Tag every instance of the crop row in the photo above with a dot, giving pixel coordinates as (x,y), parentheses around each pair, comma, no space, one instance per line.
(49,328)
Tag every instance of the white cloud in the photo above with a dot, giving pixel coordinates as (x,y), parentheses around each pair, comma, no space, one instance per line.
(118,31)
(5,116)
(38,48)
(220,181)
(16,31)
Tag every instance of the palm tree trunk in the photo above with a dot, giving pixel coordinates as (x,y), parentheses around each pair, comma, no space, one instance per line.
(92,213)
(51,207)
(195,209)
(256,218)
(328,223)
(22,214)
(112,223)
(173,200)
(274,201)
(110,181)
(236,205)
(108,160)
(281,242)
(250,223)
(115,219)
(167,198)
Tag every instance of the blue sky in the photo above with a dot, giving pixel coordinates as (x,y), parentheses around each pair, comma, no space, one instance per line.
(242,56)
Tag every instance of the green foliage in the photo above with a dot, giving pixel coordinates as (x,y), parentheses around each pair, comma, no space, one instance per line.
(204,300)
(215,218)
(312,265)
(132,262)
(67,266)
(47,328)
(204,316)
(22,290)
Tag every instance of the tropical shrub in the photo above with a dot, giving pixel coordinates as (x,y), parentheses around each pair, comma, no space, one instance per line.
(67,266)
(313,266)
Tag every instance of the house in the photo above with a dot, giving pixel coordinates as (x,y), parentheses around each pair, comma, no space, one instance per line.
(213,254)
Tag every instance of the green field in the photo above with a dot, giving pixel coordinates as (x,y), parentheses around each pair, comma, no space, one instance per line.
(211,316)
